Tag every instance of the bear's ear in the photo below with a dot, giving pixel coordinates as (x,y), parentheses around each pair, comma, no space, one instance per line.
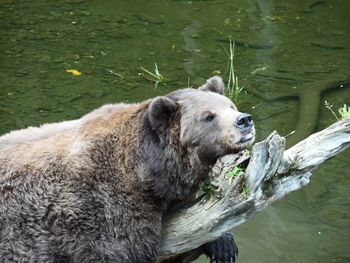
(161,110)
(214,84)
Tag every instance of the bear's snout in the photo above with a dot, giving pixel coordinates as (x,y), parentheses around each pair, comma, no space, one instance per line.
(244,121)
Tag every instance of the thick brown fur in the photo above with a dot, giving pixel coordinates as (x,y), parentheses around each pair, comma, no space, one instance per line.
(95,189)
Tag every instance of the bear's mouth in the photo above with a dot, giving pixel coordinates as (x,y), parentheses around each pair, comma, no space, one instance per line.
(246,138)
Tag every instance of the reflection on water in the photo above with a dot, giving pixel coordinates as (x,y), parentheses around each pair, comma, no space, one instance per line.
(289,55)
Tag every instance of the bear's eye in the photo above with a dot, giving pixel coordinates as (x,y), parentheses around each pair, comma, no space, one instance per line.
(208,116)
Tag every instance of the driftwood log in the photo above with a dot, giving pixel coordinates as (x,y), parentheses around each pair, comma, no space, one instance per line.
(272,173)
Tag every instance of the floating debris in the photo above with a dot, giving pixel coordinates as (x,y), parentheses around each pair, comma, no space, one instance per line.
(74,72)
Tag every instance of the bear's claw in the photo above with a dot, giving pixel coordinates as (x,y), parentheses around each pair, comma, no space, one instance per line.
(222,250)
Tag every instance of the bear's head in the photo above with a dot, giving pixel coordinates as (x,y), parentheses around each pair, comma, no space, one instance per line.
(210,125)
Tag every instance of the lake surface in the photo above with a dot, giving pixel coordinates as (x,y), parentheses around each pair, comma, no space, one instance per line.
(290,56)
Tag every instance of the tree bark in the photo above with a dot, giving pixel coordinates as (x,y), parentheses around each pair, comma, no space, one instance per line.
(272,173)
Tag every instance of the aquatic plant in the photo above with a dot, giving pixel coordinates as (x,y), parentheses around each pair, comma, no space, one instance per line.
(233,89)
(155,77)
(344,111)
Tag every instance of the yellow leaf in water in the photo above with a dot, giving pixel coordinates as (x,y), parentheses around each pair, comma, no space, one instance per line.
(73,72)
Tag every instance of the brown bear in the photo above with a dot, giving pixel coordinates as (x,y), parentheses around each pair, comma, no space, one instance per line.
(95,189)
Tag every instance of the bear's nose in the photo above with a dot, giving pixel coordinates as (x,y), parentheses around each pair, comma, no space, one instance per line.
(244,121)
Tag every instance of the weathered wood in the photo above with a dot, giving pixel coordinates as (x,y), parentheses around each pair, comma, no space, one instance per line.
(272,173)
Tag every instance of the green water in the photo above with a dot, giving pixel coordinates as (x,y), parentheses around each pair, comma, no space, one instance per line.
(289,55)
